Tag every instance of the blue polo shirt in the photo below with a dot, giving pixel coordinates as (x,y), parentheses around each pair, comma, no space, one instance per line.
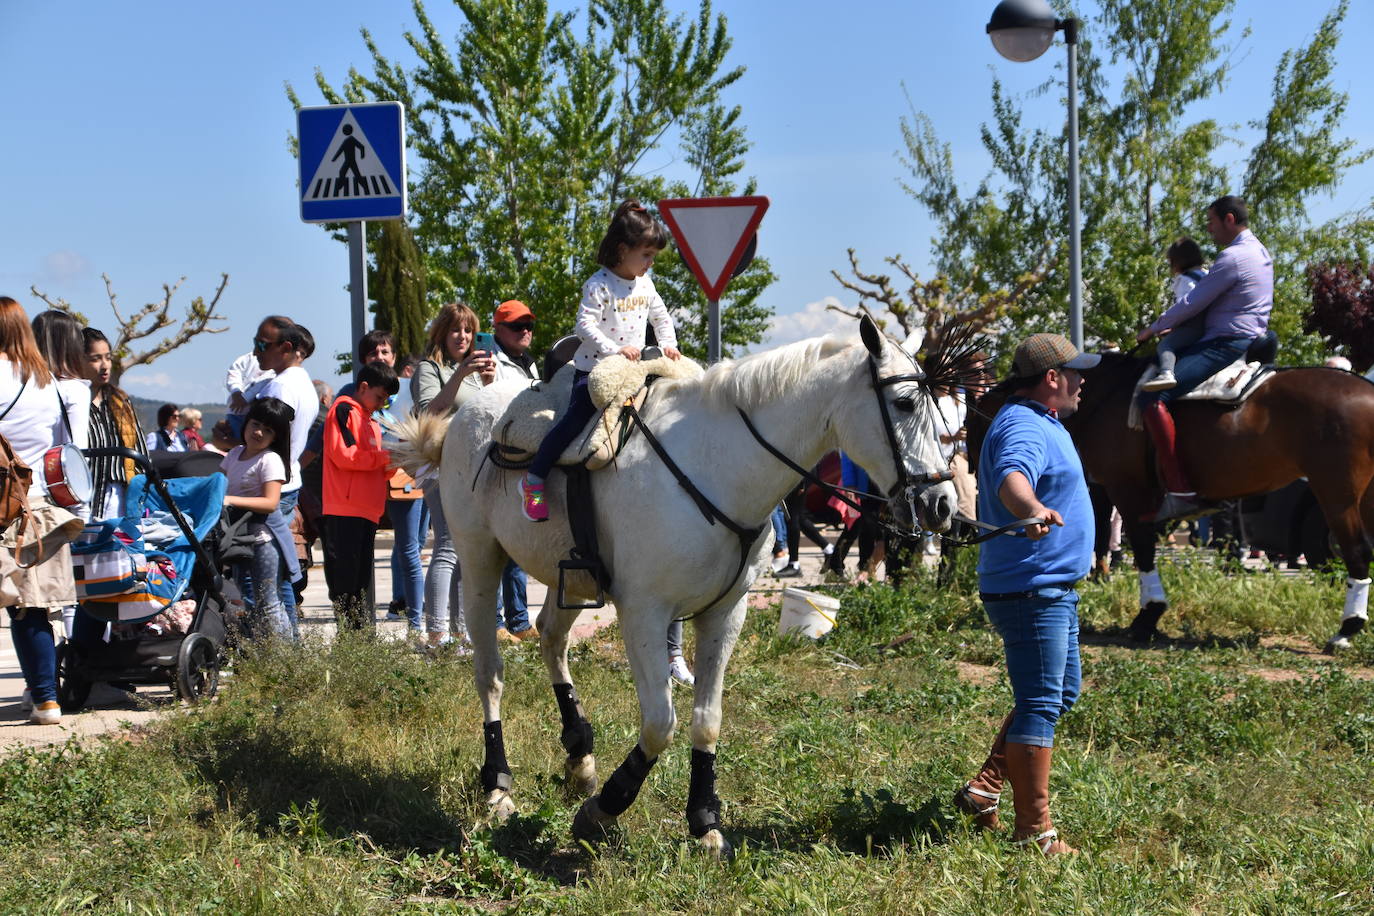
(1025,437)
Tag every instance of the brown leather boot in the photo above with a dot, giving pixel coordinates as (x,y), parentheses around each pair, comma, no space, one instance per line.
(979,796)
(1028,769)
(1180,499)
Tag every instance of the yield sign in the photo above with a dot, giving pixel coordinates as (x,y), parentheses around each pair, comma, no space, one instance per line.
(712,233)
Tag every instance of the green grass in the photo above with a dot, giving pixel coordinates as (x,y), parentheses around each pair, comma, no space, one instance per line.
(1220,772)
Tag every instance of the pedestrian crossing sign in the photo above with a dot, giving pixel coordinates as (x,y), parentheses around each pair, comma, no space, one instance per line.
(352,162)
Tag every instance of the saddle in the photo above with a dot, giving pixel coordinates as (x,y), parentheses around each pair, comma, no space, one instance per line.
(1230,387)
(615,381)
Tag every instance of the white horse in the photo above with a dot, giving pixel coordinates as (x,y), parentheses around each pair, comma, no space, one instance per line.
(666,559)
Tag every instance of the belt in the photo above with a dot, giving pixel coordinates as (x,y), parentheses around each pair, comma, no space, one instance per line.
(1029,593)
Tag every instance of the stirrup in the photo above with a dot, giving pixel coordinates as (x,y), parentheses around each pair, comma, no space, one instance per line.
(973,808)
(1042,840)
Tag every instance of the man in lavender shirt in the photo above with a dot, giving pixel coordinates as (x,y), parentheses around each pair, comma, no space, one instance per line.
(1235,300)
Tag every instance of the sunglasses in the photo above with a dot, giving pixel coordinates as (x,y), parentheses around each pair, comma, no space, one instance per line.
(261,346)
(519,327)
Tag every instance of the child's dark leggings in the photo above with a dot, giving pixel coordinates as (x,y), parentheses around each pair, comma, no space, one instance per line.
(580,411)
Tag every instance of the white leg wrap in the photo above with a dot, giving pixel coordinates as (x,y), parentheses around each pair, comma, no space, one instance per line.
(1152,588)
(1356,599)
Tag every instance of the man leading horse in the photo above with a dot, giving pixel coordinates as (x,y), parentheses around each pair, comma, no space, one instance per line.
(1235,299)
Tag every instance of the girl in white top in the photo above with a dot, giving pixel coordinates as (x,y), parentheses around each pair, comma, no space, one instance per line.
(618,304)
(31,420)
(1185,263)
(256,471)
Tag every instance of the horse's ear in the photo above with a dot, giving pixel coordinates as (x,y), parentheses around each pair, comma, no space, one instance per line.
(871,336)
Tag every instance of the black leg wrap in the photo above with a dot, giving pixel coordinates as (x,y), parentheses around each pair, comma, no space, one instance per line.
(495,772)
(703,806)
(1351,626)
(577,738)
(623,787)
(1146,623)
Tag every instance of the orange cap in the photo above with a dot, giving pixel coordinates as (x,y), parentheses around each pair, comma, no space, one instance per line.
(512,310)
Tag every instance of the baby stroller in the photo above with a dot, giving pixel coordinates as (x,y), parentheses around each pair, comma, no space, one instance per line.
(122,580)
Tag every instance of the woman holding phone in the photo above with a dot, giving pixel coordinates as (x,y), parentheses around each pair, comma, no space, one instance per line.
(458,363)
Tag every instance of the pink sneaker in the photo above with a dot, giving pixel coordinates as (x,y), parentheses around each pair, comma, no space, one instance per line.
(532,500)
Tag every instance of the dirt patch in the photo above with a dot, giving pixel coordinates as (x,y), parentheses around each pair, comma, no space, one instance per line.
(979,675)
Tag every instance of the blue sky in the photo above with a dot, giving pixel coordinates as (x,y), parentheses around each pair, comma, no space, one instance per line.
(148,140)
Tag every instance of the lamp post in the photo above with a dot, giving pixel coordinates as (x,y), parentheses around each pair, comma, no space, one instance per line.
(1022,30)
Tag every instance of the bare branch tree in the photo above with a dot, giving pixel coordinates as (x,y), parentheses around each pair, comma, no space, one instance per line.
(149,320)
(931,304)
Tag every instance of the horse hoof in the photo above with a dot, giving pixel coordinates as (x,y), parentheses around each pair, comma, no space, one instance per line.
(715,845)
(1143,634)
(500,806)
(592,825)
(581,776)
(1337,643)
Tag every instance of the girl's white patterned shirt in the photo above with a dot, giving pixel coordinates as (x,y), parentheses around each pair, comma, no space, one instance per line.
(615,313)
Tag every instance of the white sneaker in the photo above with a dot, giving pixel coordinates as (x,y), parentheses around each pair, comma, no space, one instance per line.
(47,713)
(677,668)
(779,561)
(1161,382)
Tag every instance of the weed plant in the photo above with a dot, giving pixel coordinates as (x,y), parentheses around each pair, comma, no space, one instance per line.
(1224,770)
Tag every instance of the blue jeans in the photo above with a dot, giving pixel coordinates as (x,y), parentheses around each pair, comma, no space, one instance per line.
(33,643)
(261,577)
(579,413)
(779,530)
(1040,637)
(410,523)
(1197,363)
(443,582)
(514,606)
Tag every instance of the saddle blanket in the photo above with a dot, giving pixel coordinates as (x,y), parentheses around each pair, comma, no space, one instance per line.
(614,380)
(1231,386)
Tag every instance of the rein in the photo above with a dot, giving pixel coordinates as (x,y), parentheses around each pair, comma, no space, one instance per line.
(747,537)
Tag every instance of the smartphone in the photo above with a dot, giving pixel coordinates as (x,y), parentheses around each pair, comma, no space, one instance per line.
(484,341)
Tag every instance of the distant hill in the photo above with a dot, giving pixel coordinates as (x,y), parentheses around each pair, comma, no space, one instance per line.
(147,413)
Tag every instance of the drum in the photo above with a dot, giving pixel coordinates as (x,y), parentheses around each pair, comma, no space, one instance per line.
(66,476)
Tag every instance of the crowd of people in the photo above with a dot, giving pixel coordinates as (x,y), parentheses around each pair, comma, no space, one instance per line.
(305,464)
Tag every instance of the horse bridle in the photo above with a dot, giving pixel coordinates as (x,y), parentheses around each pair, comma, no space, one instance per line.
(908,484)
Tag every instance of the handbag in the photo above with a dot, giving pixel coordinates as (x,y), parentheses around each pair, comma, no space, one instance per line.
(117,578)
(103,564)
(402,486)
(15,479)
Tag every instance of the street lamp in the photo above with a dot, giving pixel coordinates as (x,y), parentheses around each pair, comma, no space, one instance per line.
(1022,30)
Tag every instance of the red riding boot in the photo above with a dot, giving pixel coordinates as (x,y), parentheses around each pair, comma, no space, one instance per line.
(1180,500)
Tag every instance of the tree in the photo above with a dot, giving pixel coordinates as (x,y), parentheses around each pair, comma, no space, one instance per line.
(1342,310)
(396,285)
(1148,171)
(149,320)
(534,125)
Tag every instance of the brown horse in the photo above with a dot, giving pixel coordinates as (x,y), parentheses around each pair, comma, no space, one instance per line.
(1316,423)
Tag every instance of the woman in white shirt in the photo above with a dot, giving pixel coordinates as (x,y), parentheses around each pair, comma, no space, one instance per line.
(31,420)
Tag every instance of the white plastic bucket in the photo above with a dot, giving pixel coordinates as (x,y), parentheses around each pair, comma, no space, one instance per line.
(807,613)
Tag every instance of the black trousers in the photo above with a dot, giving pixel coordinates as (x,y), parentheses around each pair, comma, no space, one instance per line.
(348,550)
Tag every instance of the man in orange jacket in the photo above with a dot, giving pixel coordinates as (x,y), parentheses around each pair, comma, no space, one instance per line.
(355,493)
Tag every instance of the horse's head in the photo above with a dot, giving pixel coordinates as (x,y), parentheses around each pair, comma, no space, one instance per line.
(890,427)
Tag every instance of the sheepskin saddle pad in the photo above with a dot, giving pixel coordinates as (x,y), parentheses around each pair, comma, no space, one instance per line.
(1232,386)
(614,381)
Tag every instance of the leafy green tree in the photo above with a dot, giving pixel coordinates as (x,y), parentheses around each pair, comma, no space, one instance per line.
(534,124)
(1149,168)
(396,284)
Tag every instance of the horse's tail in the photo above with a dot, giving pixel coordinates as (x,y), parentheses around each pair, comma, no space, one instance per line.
(421,442)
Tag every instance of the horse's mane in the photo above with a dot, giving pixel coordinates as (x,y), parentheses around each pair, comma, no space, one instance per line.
(753,380)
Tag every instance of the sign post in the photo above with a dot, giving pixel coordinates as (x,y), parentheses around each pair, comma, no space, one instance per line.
(714,234)
(352,169)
